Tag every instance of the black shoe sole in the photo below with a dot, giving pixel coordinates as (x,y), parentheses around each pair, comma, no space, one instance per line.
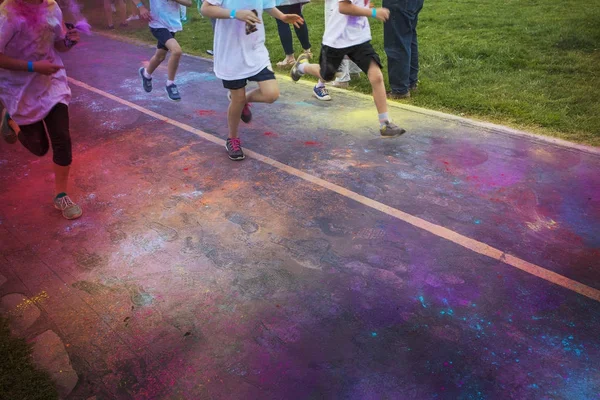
(393,136)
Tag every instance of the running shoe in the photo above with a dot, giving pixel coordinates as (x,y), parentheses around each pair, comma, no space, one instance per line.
(146,82)
(295,73)
(321,93)
(173,92)
(391,130)
(234,149)
(69,209)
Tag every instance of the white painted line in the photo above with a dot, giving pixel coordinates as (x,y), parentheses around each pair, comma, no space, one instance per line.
(440,231)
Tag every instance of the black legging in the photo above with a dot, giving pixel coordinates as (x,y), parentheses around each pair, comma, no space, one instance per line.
(285,33)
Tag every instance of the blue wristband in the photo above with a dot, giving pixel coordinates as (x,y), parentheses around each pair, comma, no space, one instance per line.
(30,66)
(374,12)
(140,4)
(232,15)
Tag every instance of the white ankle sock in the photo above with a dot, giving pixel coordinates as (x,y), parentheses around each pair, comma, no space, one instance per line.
(301,67)
(320,84)
(169,83)
(146,74)
(383,118)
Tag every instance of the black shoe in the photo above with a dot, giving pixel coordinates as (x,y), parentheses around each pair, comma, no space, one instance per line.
(234,149)
(173,92)
(146,82)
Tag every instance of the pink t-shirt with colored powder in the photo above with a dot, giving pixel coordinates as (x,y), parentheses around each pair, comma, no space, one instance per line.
(28,33)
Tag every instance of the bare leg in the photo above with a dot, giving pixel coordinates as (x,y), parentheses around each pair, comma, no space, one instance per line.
(314,70)
(379,95)
(176,52)
(121,11)
(155,61)
(61,178)
(267,92)
(108,12)
(238,101)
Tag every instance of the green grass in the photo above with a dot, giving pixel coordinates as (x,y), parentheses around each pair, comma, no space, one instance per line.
(19,378)
(532,65)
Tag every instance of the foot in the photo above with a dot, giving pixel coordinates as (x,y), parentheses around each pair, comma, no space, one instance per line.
(321,93)
(133,18)
(295,73)
(308,54)
(246,111)
(210,52)
(288,61)
(69,209)
(413,88)
(173,92)
(146,82)
(390,130)
(398,96)
(8,128)
(234,149)
(340,85)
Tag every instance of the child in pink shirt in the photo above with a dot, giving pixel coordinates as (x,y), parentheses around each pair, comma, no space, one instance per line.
(34,88)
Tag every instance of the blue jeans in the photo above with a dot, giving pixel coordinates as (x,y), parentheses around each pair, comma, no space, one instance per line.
(400,43)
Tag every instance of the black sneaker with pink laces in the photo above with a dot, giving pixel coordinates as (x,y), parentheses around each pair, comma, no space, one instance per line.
(234,149)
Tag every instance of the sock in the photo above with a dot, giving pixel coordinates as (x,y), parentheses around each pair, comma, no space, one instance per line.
(320,84)
(146,74)
(61,195)
(169,83)
(383,118)
(301,67)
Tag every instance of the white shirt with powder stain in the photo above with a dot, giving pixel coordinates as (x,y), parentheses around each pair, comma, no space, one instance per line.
(29,96)
(342,30)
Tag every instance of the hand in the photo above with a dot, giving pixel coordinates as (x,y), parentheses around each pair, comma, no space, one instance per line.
(383,14)
(45,67)
(293,19)
(247,16)
(144,13)
(73,35)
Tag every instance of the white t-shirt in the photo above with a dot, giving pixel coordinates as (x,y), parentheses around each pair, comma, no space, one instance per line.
(343,31)
(165,14)
(237,55)
(28,96)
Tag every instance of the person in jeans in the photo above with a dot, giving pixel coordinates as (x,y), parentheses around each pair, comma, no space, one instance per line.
(285,33)
(401,46)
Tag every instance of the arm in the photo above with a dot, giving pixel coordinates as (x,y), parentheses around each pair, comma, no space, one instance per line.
(43,67)
(347,8)
(212,11)
(72,35)
(287,18)
(144,13)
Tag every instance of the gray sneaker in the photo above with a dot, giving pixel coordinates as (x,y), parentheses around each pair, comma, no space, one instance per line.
(295,73)
(390,130)
(173,92)
(69,209)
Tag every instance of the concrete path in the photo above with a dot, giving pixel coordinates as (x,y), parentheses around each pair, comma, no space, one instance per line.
(456,262)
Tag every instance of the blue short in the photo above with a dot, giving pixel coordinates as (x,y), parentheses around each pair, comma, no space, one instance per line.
(163,36)
(264,75)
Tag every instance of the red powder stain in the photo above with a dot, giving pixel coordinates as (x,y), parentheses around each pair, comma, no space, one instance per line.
(186,168)
(309,143)
(272,134)
(204,113)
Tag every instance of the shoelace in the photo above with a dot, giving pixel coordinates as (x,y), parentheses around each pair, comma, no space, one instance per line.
(65,202)
(236,144)
(174,90)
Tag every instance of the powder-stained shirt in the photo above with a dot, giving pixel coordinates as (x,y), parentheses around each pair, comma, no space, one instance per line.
(165,14)
(28,33)
(343,31)
(239,55)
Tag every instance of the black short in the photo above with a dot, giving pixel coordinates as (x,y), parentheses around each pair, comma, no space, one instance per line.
(56,125)
(264,75)
(163,36)
(361,54)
